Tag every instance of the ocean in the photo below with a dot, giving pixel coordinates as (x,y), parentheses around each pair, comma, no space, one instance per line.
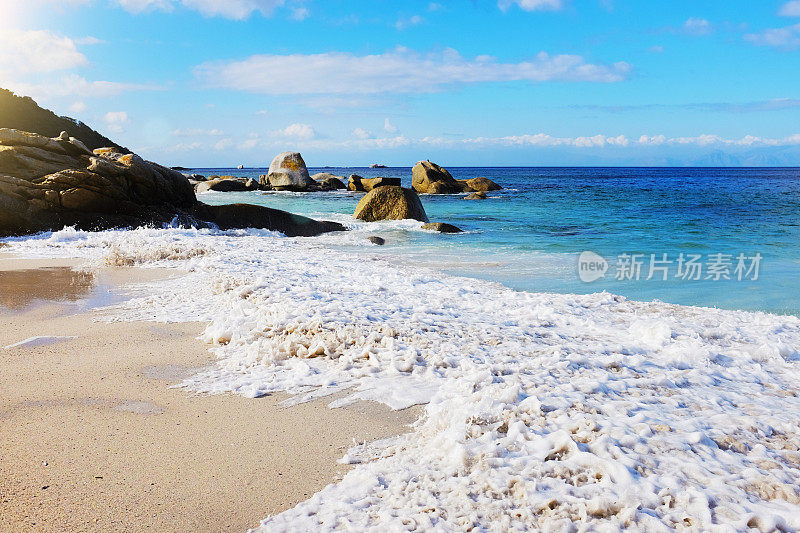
(552,402)
(530,235)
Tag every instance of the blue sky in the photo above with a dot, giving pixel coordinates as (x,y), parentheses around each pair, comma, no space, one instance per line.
(482,82)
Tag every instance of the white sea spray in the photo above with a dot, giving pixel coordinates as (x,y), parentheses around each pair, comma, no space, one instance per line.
(543,411)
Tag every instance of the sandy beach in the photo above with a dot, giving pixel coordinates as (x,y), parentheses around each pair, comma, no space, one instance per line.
(93,436)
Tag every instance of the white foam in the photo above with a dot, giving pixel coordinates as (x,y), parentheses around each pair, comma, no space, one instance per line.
(41,340)
(544,411)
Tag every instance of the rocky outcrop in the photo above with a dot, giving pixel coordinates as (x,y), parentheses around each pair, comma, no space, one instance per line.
(430,178)
(390,202)
(51,183)
(288,172)
(226,184)
(329,182)
(476,196)
(374,239)
(442,227)
(480,184)
(23,114)
(357,183)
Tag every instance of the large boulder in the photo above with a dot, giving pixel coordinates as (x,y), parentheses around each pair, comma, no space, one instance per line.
(46,184)
(288,172)
(328,181)
(430,178)
(357,183)
(476,196)
(390,202)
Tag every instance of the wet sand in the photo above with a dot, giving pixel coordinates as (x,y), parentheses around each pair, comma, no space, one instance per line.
(92,436)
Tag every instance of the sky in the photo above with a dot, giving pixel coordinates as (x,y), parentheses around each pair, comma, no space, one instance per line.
(215,83)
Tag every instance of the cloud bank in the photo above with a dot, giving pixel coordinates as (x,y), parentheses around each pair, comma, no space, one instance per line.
(399,71)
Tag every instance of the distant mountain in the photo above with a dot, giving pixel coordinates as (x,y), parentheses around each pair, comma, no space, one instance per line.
(22,113)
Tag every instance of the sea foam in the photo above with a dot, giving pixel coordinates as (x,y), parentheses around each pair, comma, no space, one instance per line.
(544,411)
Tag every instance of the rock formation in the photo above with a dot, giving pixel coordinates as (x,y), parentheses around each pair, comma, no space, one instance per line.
(476,196)
(390,202)
(288,172)
(51,183)
(430,178)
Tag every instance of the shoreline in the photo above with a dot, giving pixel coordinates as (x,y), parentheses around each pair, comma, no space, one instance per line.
(94,437)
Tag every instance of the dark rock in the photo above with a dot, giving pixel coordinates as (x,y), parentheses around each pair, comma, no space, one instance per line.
(442,227)
(227,184)
(380,241)
(390,202)
(240,216)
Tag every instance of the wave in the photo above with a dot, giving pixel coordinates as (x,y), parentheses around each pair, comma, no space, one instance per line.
(542,410)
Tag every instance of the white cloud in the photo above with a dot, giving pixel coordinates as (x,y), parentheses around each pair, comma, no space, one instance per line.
(115,120)
(223,144)
(197,132)
(435,6)
(89,40)
(74,85)
(300,13)
(398,71)
(790,9)
(787,38)
(297,132)
(137,6)
(389,127)
(27,52)
(403,23)
(77,107)
(697,26)
(656,49)
(532,5)
(360,133)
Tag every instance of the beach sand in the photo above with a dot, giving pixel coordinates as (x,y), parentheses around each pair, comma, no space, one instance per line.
(92,436)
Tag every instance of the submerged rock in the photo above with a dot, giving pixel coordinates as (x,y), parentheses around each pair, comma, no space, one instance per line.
(476,196)
(288,172)
(46,184)
(430,178)
(380,241)
(442,227)
(390,202)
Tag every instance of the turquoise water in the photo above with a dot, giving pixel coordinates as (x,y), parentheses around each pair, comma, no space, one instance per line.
(529,235)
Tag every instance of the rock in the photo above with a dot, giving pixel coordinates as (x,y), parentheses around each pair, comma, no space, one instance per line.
(239,216)
(481,184)
(328,181)
(377,165)
(196,177)
(430,178)
(46,184)
(226,184)
(288,172)
(441,227)
(380,241)
(357,183)
(390,202)
(476,196)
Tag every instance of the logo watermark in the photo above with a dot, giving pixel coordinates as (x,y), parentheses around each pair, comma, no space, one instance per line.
(662,267)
